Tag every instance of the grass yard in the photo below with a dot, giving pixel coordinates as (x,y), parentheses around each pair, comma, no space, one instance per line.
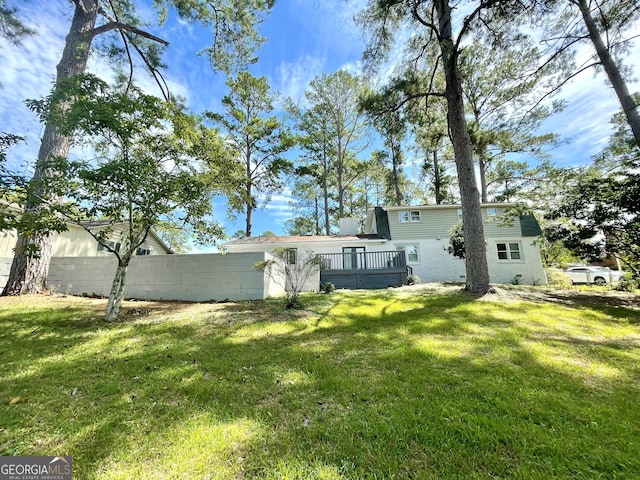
(420,382)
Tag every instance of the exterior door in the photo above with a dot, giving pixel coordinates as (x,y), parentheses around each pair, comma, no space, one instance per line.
(354,258)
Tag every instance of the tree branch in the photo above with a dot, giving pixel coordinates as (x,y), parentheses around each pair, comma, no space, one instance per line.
(123,27)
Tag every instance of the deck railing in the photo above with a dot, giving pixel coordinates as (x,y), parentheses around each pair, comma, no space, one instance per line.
(363,260)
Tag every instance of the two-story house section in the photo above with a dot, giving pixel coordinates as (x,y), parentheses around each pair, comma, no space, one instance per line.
(422,232)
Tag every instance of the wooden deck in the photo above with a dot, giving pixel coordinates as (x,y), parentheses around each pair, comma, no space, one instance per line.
(364,270)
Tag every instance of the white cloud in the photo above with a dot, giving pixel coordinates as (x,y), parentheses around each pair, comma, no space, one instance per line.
(293,79)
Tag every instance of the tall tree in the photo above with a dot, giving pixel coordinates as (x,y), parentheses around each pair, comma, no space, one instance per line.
(334,98)
(258,140)
(391,125)
(609,26)
(318,150)
(431,21)
(145,173)
(503,90)
(429,125)
(235,37)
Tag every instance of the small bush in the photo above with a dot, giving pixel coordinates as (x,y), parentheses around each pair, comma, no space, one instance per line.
(413,279)
(516,280)
(558,278)
(626,284)
(327,287)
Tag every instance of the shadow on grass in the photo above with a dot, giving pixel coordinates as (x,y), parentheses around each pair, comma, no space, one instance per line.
(358,385)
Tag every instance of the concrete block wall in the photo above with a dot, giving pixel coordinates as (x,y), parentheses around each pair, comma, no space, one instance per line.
(5,268)
(199,277)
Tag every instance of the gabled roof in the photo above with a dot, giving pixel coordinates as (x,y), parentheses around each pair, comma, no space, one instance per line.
(445,206)
(300,239)
(90,224)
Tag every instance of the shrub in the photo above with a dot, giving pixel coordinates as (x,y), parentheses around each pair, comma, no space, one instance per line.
(558,278)
(626,284)
(327,287)
(413,279)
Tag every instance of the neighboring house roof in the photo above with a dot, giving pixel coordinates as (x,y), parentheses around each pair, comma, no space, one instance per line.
(90,224)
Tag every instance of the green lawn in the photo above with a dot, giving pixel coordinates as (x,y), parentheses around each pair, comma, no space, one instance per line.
(426,382)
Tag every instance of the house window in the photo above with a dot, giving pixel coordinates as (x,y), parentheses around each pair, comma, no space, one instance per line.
(492,213)
(143,251)
(411,251)
(105,245)
(291,256)
(407,216)
(509,251)
(459,214)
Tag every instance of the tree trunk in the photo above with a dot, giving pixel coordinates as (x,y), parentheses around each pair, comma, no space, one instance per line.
(613,72)
(29,275)
(340,172)
(249,192)
(116,295)
(396,180)
(475,250)
(482,167)
(437,180)
(325,189)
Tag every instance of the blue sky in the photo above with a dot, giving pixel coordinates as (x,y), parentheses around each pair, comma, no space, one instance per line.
(305,39)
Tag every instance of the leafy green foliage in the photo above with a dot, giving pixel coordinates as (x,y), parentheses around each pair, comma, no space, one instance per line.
(599,215)
(333,133)
(148,171)
(504,99)
(11,27)
(456,241)
(258,141)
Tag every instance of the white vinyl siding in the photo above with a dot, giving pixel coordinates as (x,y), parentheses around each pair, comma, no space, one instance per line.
(436,223)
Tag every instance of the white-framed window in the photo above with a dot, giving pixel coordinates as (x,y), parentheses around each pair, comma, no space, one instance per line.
(492,213)
(105,245)
(412,252)
(406,216)
(509,251)
(291,256)
(459,214)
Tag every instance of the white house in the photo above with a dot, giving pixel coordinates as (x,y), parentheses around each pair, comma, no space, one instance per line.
(421,233)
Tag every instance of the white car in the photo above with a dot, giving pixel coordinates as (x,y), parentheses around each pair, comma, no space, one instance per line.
(597,275)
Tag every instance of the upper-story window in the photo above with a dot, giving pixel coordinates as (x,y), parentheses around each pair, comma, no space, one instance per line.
(492,213)
(143,251)
(459,214)
(406,216)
